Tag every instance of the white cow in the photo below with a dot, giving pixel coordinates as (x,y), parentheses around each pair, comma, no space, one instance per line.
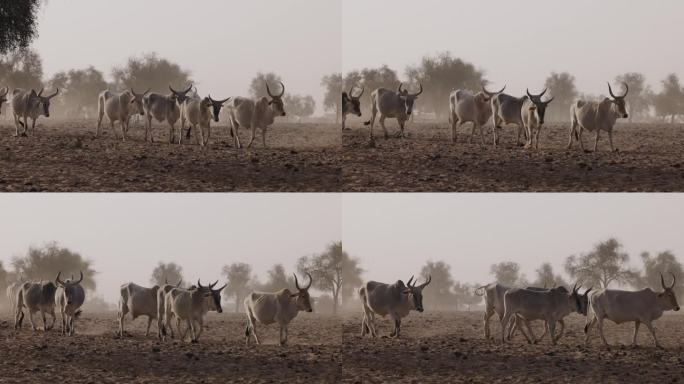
(464,107)
(164,108)
(252,114)
(189,305)
(597,116)
(162,320)
(138,301)
(388,103)
(276,307)
(533,112)
(29,105)
(199,113)
(119,107)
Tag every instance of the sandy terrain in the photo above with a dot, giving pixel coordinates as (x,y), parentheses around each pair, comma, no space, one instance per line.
(434,348)
(649,158)
(95,355)
(66,156)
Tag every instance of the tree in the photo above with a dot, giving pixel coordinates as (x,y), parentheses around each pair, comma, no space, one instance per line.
(331,271)
(166,272)
(21,69)
(79,89)
(4,277)
(664,263)
(439,295)
(670,101)
(371,79)
(562,87)
(239,276)
(639,93)
(150,71)
(508,273)
(333,93)
(439,75)
(546,277)
(603,265)
(277,279)
(257,88)
(300,106)
(43,263)
(18,24)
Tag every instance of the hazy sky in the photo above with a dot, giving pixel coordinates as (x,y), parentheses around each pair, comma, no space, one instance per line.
(223,42)
(126,235)
(395,234)
(520,42)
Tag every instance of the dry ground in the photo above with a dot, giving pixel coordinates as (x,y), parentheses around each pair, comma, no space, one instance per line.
(435,347)
(650,158)
(65,155)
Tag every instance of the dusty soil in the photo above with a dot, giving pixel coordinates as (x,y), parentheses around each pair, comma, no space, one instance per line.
(65,155)
(96,355)
(649,158)
(446,347)
(450,348)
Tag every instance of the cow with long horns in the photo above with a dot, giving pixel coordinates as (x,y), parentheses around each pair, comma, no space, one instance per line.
(276,307)
(189,305)
(245,112)
(164,108)
(119,107)
(391,104)
(29,105)
(199,112)
(597,116)
(465,107)
(351,104)
(69,299)
(533,112)
(396,300)
(620,306)
(507,109)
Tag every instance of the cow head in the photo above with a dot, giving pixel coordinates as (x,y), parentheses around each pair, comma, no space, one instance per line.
(302,295)
(43,101)
(216,106)
(351,103)
(414,293)
(668,296)
(276,101)
(70,287)
(137,101)
(581,300)
(619,101)
(408,99)
(213,296)
(3,97)
(538,104)
(180,96)
(488,94)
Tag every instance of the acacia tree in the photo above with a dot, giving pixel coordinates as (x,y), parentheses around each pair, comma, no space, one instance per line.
(300,106)
(79,88)
(670,101)
(44,262)
(440,295)
(547,278)
(18,24)
(257,88)
(21,69)
(508,273)
(603,265)
(239,276)
(166,272)
(150,71)
(277,279)
(562,87)
(333,90)
(664,263)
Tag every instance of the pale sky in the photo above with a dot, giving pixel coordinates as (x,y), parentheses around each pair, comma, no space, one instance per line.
(126,235)
(395,234)
(519,43)
(222,42)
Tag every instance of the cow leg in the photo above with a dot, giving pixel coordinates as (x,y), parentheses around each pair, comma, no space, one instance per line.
(531,338)
(344,118)
(200,134)
(579,138)
(536,145)
(573,129)
(198,332)
(33,127)
(487,315)
(251,326)
(121,323)
(382,124)
(234,132)
(610,139)
(497,125)
(251,138)
(33,324)
(193,331)
(18,319)
(42,315)
(99,124)
(54,318)
(454,123)
(371,123)
(562,329)
(597,139)
(64,321)
(149,322)
(591,320)
(552,331)
(504,324)
(263,135)
(476,126)
(650,327)
(401,128)
(599,322)
(636,330)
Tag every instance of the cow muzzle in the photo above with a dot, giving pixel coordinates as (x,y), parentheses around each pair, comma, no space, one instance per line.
(358,114)
(676,308)
(284,114)
(626,115)
(220,310)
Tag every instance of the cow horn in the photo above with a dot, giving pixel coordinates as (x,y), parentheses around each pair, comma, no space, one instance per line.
(547,102)
(296,281)
(421,90)
(527,90)
(282,92)
(180,92)
(610,90)
(351,90)
(543,92)
(6,89)
(662,281)
(399,90)
(54,94)
(429,279)
(199,285)
(59,282)
(179,283)
(490,94)
(310,280)
(408,283)
(587,291)
(187,90)
(133,92)
(361,94)
(146,92)
(80,278)
(674,280)
(213,285)
(41,92)
(221,289)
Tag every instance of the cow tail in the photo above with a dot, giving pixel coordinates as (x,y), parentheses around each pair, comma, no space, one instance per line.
(480,290)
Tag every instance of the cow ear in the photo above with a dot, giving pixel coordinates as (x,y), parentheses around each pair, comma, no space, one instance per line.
(270,102)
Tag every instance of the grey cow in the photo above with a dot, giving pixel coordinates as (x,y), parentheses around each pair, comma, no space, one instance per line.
(391,104)
(164,108)
(35,297)
(28,104)
(69,299)
(351,104)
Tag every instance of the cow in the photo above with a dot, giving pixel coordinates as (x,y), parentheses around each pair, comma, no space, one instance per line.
(507,109)
(29,105)
(465,107)
(396,300)
(252,114)
(69,299)
(620,306)
(35,297)
(162,320)
(533,112)
(12,289)
(119,107)
(387,103)
(189,305)
(276,307)
(550,306)
(199,113)
(597,116)
(163,108)
(138,301)
(3,96)
(351,105)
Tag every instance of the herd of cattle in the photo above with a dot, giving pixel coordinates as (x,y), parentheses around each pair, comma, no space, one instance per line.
(186,106)
(515,307)
(526,112)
